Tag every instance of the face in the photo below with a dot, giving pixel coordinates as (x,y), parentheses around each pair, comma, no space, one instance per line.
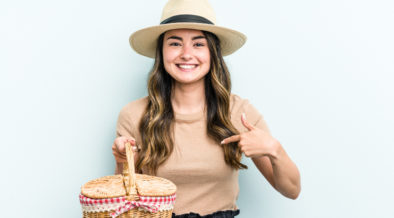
(186,55)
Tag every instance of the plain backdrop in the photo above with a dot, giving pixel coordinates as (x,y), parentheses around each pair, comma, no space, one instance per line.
(321,73)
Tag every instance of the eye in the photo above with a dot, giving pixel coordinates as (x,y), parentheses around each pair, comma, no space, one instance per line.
(199,44)
(175,44)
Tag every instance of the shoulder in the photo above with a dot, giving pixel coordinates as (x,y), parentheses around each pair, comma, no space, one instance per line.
(129,118)
(236,102)
(133,111)
(238,106)
(135,107)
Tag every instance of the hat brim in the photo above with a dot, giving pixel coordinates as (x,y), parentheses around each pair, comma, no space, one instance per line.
(144,41)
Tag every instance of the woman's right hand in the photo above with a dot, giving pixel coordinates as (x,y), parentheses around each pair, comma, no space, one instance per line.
(119,150)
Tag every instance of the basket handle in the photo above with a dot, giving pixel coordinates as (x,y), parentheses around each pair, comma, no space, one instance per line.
(129,173)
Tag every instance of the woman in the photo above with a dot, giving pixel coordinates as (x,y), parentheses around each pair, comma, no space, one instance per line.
(190,129)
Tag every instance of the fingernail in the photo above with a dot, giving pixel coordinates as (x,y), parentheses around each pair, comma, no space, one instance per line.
(243,115)
(222,142)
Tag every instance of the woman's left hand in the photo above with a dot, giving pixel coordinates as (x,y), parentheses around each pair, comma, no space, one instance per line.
(278,168)
(254,142)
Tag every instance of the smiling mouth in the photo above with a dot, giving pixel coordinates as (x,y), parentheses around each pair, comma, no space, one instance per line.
(186,66)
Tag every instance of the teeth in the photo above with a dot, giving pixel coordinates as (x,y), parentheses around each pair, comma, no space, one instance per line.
(187,66)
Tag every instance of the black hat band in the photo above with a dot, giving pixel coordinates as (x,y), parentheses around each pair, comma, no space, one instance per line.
(186,18)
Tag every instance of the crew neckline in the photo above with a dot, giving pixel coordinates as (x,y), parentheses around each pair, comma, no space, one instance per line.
(189,117)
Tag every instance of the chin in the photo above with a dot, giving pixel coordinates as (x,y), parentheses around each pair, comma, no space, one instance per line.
(186,79)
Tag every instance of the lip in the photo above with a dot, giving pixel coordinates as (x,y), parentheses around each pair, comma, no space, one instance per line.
(187,69)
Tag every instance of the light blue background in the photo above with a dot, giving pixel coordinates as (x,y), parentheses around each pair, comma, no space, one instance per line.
(321,72)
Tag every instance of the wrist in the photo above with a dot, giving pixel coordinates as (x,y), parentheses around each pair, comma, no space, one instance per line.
(119,168)
(276,150)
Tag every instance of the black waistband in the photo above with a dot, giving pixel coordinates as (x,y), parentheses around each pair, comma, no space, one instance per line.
(219,214)
(189,18)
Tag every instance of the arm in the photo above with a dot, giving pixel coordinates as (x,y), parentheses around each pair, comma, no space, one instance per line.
(125,132)
(280,171)
(270,158)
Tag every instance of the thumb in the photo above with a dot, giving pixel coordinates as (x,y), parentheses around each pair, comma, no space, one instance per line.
(120,143)
(246,123)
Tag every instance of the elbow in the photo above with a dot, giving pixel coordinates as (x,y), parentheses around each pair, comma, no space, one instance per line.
(291,191)
(295,188)
(294,193)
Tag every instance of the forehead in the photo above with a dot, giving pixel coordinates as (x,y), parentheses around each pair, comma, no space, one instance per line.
(184,33)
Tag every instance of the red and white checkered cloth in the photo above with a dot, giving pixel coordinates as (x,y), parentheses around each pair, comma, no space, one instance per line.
(151,204)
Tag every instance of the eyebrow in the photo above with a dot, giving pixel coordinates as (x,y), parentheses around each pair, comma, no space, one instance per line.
(180,38)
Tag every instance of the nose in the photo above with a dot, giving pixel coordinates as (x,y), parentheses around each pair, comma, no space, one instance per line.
(187,52)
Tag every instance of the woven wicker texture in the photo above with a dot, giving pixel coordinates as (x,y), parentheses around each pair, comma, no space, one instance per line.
(154,186)
(130,185)
(135,213)
(112,187)
(104,187)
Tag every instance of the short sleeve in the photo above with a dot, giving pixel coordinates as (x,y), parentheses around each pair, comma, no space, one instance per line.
(253,116)
(256,119)
(129,119)
(125,125)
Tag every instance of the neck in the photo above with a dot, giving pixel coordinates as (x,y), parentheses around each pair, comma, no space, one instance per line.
(188,98)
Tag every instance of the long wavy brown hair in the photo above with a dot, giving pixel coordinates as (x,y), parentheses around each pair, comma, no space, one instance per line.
(156,126)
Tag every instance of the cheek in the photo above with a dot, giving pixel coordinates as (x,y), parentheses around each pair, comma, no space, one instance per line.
(206,59)
(207,65)
(166,62)
(167,58)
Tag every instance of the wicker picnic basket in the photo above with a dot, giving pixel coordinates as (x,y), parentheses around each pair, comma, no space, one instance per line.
(128,195)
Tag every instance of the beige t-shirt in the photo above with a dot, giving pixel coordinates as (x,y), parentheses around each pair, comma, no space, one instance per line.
(205,183)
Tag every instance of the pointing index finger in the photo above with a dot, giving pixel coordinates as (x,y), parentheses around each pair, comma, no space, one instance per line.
(234,138)
(246,123)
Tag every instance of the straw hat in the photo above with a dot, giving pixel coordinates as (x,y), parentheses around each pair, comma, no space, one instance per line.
(186,14)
